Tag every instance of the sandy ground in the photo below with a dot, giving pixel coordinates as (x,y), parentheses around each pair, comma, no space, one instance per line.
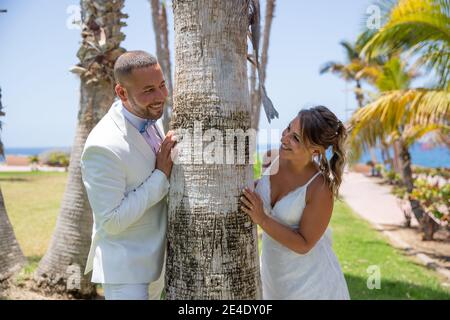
(23,290)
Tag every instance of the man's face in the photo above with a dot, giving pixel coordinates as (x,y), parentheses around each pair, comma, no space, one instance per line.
(144,92)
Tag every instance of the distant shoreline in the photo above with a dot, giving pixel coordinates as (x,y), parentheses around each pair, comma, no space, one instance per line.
(25,152)
(432,157)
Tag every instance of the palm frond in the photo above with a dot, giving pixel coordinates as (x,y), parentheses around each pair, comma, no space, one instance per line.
(350,50)
(331,66)
(394,76)
(440,138)
(430,106)
(415,132)
(337,68)
(436,57)
(402,107)
(415,25)
(362,138)
(369,73)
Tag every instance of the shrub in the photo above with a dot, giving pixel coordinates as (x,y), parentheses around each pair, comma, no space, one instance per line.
(34,159)
(56,159)
(434,199)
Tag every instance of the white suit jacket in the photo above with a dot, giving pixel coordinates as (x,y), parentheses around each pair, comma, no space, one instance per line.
(127,197)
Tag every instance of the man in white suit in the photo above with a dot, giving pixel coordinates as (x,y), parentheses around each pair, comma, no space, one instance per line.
(125,166)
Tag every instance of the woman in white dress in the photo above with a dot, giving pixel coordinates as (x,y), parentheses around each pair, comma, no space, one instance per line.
(293,202)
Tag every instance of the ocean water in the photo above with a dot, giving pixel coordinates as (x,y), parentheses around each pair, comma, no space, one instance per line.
(421,154)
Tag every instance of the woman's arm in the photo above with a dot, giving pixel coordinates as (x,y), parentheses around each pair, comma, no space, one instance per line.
(315,219)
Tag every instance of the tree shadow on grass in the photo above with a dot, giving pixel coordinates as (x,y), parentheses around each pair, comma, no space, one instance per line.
(393,290)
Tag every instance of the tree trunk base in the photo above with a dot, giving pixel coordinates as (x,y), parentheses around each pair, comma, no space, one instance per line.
(429,227)
(407,222)
(52,285)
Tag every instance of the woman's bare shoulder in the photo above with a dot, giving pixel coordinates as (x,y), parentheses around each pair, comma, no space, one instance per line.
(318,190)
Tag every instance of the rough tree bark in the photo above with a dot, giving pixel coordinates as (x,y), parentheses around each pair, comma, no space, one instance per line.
(427,224)
(212,244)
(11,256)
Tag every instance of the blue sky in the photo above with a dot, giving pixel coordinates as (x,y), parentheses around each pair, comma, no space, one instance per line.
(38,48)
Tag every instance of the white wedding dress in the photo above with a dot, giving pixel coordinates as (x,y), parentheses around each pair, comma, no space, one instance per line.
(288,275)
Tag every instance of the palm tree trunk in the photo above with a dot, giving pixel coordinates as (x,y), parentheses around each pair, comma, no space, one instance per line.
(360,99)
(396,160)
(160,28)
(428,225)
(167,69)
(11,256)
(63,265)
(385,153)
(359,96)
(255,92)
(270,9)
(212,245)
(255,98)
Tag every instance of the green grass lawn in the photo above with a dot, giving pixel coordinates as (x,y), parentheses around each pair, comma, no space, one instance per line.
(359,246)
(32,201)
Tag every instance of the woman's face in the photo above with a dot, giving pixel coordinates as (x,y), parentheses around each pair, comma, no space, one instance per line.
(292,146)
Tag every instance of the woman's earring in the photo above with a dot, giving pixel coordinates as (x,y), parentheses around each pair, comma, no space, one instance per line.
(315,159)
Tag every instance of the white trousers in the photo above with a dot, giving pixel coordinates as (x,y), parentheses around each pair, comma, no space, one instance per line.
(135,291)
(123,291)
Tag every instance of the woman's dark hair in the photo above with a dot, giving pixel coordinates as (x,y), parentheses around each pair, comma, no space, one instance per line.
(319,127)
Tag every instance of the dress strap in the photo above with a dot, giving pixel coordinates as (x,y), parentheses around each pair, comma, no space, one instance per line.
(267,171)
(310,180)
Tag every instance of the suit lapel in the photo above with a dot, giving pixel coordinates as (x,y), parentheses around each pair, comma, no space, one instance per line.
(130,133)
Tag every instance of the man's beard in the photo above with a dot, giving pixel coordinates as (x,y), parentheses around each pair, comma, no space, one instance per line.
(141,112)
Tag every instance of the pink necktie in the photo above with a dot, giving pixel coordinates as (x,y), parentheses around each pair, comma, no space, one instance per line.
(151,135)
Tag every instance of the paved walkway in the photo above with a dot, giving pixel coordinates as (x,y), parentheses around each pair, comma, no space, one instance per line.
(374,202)
(5,168)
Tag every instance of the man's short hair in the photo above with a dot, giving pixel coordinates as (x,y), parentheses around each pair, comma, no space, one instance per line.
(131,60)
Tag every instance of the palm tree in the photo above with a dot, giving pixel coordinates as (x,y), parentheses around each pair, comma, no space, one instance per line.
(402,115)
(390,75)
(420,27)
(258,88)
(406,116)
(255,92)
(354,69)
(212,245)
(11,256)
(160,28)
(62,267)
